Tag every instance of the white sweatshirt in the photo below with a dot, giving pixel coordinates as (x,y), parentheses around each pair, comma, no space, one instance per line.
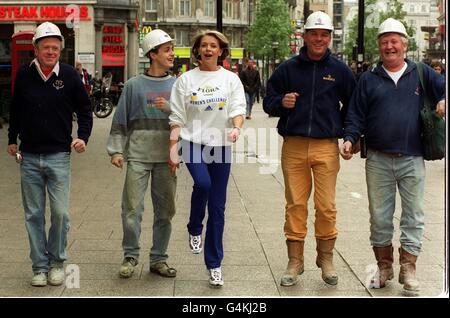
(203,103)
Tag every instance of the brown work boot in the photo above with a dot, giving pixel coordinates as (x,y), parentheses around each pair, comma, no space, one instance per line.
(295,265)
(407,276)
(385,257)
(324,260)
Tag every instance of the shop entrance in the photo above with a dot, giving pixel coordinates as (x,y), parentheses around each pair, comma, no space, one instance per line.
(6,30)
(68,54)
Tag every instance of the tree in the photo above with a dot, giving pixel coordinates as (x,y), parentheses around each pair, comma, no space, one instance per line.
(271,24)
(374,15)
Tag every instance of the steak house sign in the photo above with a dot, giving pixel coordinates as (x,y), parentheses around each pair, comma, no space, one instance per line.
(36,13)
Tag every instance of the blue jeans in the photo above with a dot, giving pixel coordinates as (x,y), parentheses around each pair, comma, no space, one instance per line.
(210,188)
(250,99)
(51,172)
(384,173)
(163,187)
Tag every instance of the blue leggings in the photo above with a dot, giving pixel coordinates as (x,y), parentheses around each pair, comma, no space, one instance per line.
(210,169)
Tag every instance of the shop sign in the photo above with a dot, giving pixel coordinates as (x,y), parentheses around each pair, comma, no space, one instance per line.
(113,48)
(86,58)
(237,53)
(143,32)
(37,13)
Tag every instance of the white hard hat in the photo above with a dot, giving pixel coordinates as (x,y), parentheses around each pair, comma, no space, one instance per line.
(153,39)
(47,29)
(319,20)
(392,25)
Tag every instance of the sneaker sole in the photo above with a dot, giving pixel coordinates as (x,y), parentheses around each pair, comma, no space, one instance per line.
(215,285)
(57,283)
(196,251)
(39,284)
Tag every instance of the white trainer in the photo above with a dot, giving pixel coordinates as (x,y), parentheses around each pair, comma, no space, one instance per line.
(195,243)
(39,280)
(215,277)
(56,276)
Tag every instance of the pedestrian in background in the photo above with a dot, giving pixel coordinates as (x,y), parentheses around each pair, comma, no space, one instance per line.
(251,80)
(438,67)
(208,105)
(85,77)
(140,135)
(46,93)
(306,92)
(385,108)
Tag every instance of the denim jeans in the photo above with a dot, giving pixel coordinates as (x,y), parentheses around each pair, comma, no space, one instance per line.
(163,187)
(210,189)
(250,99)
(51,172)
(384,173)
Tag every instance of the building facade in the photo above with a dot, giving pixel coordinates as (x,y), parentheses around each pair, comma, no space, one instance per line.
(422,15)
(184,19)
(101,34)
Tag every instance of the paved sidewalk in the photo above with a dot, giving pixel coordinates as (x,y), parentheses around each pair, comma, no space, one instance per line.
(255,253)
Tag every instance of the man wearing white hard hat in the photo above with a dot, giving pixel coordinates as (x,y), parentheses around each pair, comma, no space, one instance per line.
(306,92)
(46,94)
(385,108)
(140,136)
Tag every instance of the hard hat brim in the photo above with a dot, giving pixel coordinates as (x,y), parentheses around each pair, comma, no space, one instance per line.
(170,41)
(60,37)
(319,28)
(396,32)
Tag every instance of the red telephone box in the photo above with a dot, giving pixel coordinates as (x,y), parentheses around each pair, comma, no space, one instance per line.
(22,52)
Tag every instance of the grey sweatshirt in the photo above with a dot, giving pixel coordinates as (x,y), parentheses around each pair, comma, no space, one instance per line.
(139,131)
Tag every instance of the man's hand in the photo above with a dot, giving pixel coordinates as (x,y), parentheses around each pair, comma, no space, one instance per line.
(440,108)
(117,160)
(174,159)
(79,145)
(346,150)
(160,103)
(289,99)
(12,149)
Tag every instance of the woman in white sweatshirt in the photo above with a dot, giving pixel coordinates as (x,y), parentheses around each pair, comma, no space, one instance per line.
(207,112)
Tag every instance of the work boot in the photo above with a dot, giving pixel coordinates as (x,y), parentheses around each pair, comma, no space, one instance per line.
(407,276)
(324,260)
(385,257)
(295,265)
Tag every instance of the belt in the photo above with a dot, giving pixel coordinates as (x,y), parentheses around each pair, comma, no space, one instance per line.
(392,154)
(389,154)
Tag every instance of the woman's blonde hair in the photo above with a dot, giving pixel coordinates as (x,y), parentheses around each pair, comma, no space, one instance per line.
(223,43)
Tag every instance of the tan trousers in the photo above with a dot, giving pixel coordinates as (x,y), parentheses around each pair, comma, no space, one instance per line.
(301,156)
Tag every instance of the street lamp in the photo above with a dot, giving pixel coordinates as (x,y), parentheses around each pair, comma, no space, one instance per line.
(274,48)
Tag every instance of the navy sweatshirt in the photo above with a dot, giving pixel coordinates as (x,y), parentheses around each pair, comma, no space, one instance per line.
(41,112)
(389,114)
(324,89)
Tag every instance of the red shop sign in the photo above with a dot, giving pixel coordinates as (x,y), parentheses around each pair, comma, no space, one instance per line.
(44,13)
